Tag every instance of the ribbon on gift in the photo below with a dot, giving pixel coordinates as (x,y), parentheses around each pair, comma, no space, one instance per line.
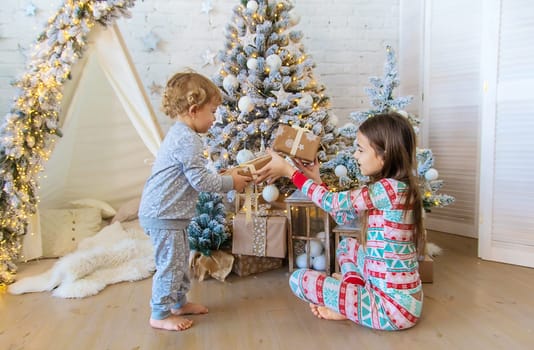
(296,141)
(251,193)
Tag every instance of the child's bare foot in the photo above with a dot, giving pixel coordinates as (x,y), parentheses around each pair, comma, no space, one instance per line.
(172,323)
(190,309)
(325,313)
(337,276)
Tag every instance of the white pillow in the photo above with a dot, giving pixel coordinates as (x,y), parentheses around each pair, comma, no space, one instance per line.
(107,210)
(128,211)
(63,229)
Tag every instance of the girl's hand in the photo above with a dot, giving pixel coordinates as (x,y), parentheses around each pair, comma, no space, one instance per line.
(240,181)
(310,170)
(278,167)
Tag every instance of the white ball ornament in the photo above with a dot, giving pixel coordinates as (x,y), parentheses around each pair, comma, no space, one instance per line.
(243,156)
(245,104)
(315,248)
(431,174)
(270,193)
(274,62)
(302,262)
(252,63)
(230,82)
(321,235)
(341,170)
(252,5)
(305,101)
(319,263)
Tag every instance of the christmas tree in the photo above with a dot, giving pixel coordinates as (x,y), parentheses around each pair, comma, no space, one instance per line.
(207,231)
(381,95)
(266,79)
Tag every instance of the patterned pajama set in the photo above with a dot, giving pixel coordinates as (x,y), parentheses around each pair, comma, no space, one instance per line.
(378,280)
(167,205)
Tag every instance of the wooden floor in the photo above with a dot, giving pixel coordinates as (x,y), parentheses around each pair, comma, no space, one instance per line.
(472,304)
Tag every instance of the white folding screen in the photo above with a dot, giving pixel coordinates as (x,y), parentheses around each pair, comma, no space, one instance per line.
(507,160)
(451,108)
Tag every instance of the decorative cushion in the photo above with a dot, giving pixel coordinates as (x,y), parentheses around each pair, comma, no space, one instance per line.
(107,210)
(62,229)
(128,211)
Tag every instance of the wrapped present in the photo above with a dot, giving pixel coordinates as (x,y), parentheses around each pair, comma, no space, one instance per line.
(296,142)
(251,192)
(245,265)
(249,167)
(263,235)
(426,269)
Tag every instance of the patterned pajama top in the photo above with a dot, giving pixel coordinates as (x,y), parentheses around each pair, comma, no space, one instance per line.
(379,280)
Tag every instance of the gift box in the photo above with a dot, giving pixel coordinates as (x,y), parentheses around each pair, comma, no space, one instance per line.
(245,265)
(260,236)
(296,142)
(426,269)
(252,165)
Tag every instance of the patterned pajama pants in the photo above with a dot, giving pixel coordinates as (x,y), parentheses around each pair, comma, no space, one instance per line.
(358,301)
(170,282)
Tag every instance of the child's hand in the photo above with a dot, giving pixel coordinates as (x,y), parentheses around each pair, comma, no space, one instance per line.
(276,168)
(310,170)
(240,181)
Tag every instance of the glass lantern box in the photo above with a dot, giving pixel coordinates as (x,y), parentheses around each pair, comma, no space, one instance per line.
(309,237)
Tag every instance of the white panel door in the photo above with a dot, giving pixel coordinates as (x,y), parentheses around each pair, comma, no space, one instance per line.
(506,228)
(451,108)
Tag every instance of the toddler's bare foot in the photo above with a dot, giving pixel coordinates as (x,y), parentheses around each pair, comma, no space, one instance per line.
(337,276)
(172,323)
(190,309)
(325,313)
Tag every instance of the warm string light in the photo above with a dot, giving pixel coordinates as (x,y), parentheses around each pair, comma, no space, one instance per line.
(26,137)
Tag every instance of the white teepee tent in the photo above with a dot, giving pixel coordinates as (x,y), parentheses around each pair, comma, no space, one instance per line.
(110,133)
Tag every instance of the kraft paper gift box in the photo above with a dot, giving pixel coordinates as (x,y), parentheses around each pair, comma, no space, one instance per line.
(296,142)
(426,269)
(260,236)
(248,167)
(245,265)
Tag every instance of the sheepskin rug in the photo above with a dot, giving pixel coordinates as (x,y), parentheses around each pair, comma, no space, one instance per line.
(115,254)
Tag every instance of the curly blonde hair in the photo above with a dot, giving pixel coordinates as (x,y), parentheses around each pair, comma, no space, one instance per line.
(186,89)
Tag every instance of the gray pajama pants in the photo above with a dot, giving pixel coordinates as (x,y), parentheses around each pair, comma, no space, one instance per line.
(171,282)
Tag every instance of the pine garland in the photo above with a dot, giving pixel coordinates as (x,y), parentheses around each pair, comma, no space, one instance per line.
(29,131)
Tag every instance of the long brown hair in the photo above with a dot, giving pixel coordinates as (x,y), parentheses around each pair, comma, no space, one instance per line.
(393,138)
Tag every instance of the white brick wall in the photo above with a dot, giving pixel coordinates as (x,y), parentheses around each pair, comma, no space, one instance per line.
(345,38)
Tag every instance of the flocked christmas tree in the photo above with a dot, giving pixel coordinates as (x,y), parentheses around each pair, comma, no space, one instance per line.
(382,98)
(208,231)
(266,79)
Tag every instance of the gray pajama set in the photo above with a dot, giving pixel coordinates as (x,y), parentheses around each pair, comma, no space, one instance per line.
(167,205)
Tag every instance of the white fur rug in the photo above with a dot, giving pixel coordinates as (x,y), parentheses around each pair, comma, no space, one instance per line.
(115,254)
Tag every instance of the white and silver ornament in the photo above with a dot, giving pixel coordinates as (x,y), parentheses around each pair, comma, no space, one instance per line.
(244,156)
(252,63)
(315,248)
(245,104)
(274,62)
(270,193)
(341,170)
(319,263)
(302,261)
(230,82)
(252,5)
(431,174)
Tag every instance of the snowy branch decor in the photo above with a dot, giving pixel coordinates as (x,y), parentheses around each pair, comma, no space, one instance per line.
(29,131)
